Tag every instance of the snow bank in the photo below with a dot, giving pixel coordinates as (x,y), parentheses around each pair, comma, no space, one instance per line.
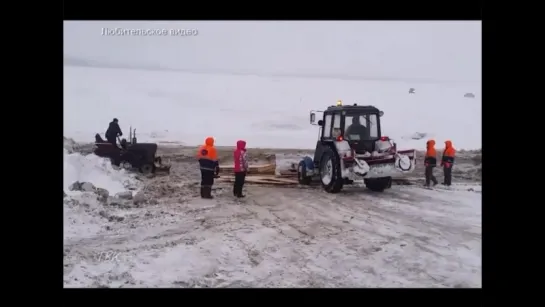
(98,171)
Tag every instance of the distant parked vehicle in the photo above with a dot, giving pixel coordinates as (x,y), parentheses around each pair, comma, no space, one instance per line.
(411,90)
(469,95)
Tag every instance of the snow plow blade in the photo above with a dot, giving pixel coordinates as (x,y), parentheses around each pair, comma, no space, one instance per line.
(160,168)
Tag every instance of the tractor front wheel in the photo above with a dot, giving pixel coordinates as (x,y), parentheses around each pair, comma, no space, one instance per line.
(147,168)
(302,174)
(330,172)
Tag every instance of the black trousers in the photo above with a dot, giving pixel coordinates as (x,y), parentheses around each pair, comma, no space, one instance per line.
(429,175)
(112,140)
(447,171)
(207,178)
(240,177)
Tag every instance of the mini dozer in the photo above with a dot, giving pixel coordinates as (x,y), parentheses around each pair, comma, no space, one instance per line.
(351,147)
(131,155)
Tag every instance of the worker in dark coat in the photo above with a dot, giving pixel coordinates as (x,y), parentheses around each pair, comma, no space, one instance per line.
(430,162)
(241,168)
(113,132)
(447,161)
(209,165)
(357,129)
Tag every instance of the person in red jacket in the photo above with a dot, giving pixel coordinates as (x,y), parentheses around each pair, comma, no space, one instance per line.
(241,168)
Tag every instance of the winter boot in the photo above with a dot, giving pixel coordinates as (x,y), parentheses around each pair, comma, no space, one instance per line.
(240,195)
(208,193)
(202,192)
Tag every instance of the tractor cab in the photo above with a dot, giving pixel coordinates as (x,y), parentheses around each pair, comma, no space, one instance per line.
(358,125)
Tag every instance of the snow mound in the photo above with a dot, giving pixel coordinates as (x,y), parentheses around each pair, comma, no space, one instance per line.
(69,144)
(96,170)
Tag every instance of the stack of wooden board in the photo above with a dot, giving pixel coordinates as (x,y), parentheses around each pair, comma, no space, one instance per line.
(253,169)
(258,174)
(265,179)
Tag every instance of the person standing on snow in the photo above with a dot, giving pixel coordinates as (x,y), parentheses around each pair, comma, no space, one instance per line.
(113,131)
(241,168)
(447,161)
(430,162)
(209,165)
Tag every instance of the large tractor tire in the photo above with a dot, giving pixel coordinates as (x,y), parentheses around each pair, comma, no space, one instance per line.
(302,174)
(378,184)
(330,172)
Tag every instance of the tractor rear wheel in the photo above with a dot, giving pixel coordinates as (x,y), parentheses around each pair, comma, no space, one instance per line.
(330,172)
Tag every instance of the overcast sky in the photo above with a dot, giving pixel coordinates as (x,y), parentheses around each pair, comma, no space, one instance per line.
(443,50)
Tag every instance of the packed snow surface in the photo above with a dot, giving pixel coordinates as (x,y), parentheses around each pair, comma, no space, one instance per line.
(295,236)
(407,236)
(273,112)
(96,170)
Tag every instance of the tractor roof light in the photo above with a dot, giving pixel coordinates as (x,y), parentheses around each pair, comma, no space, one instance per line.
(339,102)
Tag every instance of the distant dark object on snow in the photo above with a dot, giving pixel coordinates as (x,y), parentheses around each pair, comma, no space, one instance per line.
(469,95)
(418,135)
(415,136)
(411,90)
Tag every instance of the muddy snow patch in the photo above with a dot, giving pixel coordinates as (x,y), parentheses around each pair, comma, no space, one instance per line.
(97,171)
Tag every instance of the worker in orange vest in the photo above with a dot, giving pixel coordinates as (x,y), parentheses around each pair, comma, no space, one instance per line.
(209,165)
(430,162)
(447,162)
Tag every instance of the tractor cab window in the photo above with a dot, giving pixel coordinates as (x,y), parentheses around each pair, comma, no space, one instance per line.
(327,126)
(336,126)
(361,127)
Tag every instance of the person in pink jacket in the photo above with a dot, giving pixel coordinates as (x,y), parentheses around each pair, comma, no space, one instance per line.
(241,168)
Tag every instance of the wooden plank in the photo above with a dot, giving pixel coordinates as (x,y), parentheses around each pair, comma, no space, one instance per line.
(253,169)
(262,180)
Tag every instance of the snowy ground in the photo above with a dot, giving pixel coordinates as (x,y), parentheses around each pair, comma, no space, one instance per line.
(269,112)
(276,237)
